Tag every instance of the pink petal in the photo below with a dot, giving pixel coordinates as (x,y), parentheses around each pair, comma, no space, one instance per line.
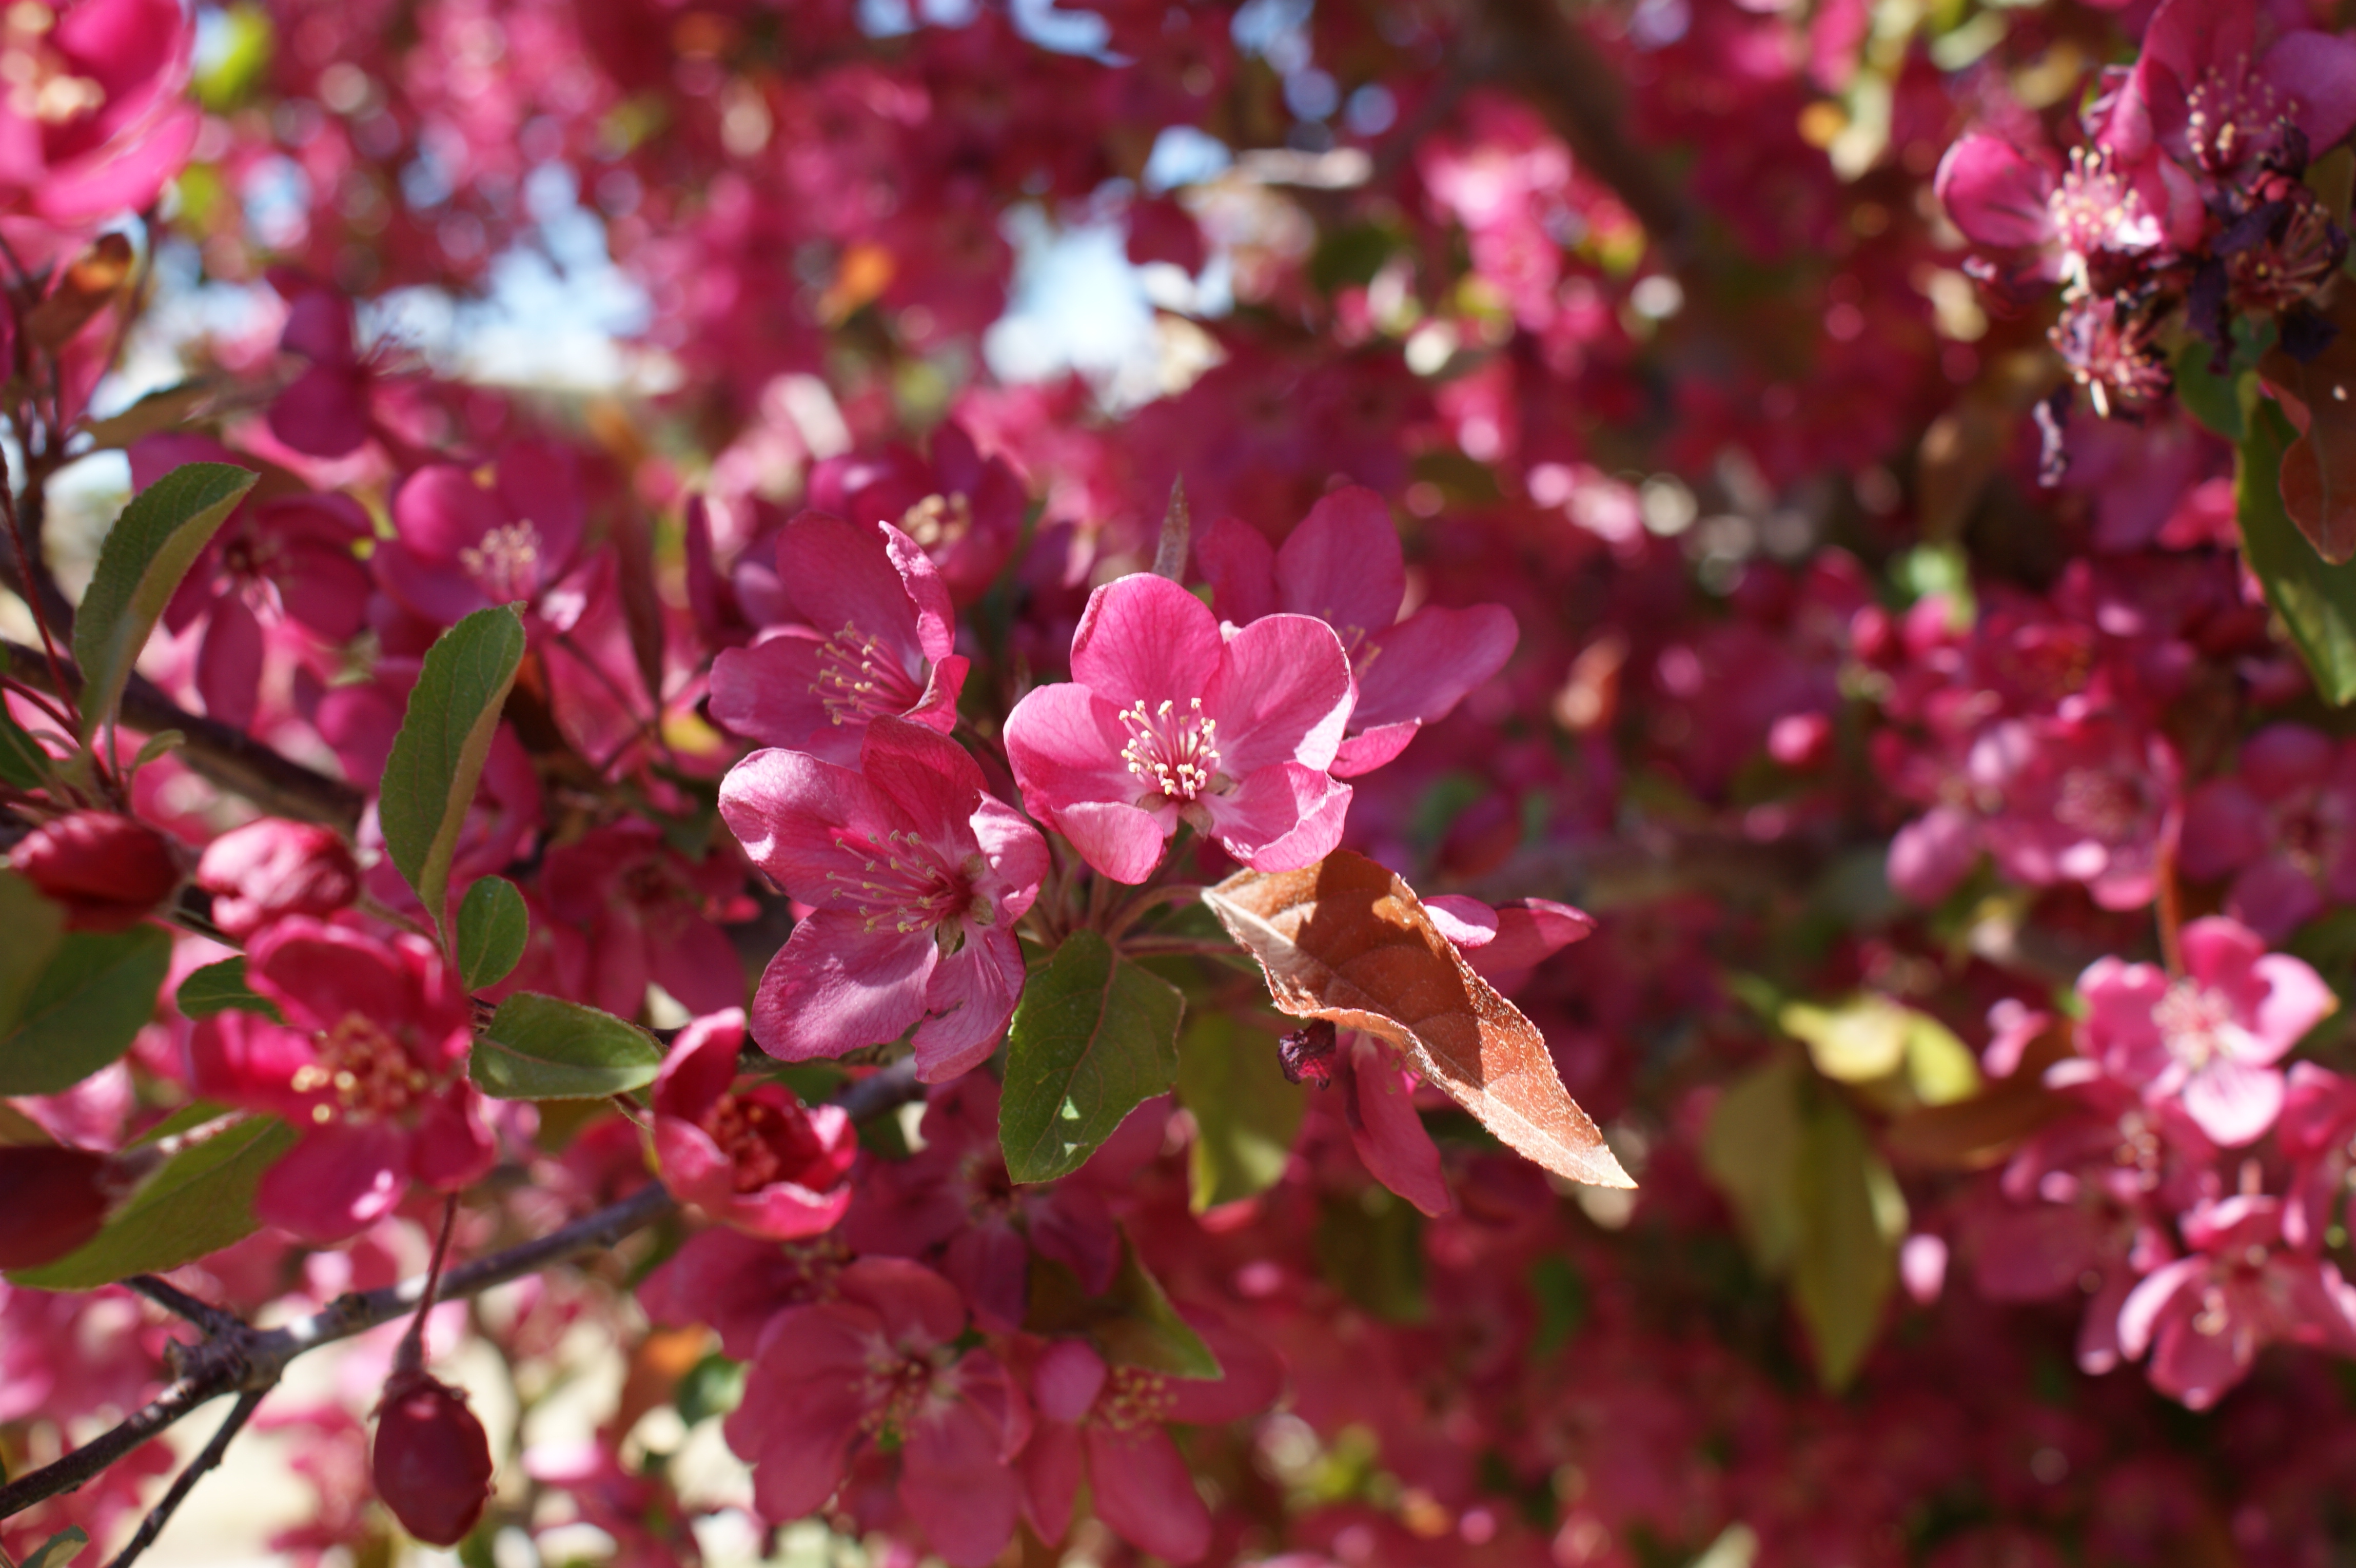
(1369,750)
(2220,953)
(699,966)
(1467,922)
(1995,194)
(318,974)
(439,510)
(1144,1492)
(1281,818)
(2284,758)
(927,775)
(1051,1478)
(1016,853)
(955,1486)
(1143,639)
(539,483)
(700,1066)
(1065,1383)
(2198,1369)
(799,1460)
(1343,564)
(970,1000)
(935,617)
(2296,1001)
(836,986)
(1386,1131)
(784,1210)
(840,575)
(768,692)
(791,812)
(320,326)
(323,413)
(1421,667)
(451,1148)
(1241,565)
(433,590)
(228,662)
(2139,1316)
(2318,71)
(2274,897)
(1064,742)
(1282,693)
(335,1181)
(1120,840)
(1934,852)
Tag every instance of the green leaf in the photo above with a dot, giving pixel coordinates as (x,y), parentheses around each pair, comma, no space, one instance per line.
(437,759)
(1852,1217)
(1369,1246)
(1245,1113)
(537,1047)
(492,929)
(1094,1037)
(222,988)
(1751,1150)
(58,1550)
(713,1386)
(35,929)
(148,551)
(2316,600)
(201,1201)
(1132,1322)
(23,763)
(94,995)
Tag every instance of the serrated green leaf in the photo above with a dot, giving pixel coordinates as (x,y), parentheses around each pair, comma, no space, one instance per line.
(148,551)
(1093,1037)
(539,1048)
(35,929)
(1246,1113)
(437,759)
(94,995)
(201,1201)
(58,1550)
(2315,599)
(1132,1322)
(222,988)
(493,926)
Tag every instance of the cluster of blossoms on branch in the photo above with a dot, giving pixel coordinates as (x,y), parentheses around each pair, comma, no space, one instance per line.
(1072,957)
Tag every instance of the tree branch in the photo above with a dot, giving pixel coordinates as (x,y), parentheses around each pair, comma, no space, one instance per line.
(186,1481)
(223,754)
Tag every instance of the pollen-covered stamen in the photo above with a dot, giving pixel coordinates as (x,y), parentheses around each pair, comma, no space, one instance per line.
(900,885)
(938,520)
(33,76)
(896,1385)
(2233,115)
(366,1071)
(2197,1026)
(1174,753)
(2095,210)
(506,564)
(858,680)
(1133,1397)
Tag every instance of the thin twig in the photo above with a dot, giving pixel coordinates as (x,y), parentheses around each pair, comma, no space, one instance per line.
(173,1299)
(186,1481)
(35,574)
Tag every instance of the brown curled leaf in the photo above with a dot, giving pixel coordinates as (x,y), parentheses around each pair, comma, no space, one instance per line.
(1347,941)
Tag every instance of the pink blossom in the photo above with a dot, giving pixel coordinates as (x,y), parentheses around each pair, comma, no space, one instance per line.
(2217,84)
(1164,720)
(2317,1134)
(325,412)
(459,545)
(877,1361)
(2211,1037)
(1505,943)
(631,910)
(274,868)
(110,871)
(1344,565)
(92,122)
(370,1065)
(916,877)
(1106,1422)
(1378,1103)
(2087,800)
(2205,1317)
(962,510)
(878,639)
(2283,826)
(734,1283)
(752,1158)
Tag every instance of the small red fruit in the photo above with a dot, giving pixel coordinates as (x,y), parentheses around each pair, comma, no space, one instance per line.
(108,871)
(432,1462)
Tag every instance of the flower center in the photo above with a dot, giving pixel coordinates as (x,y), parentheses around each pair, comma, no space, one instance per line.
(898,1383)
(858,681)
(2197,1026)
(1132,1398)
(33,76)
(364,1070)
(2099,804)
(2095,210)
(1172,753)
(763,1142)
(938,521)
(2233,115)
(902,886)
(506,564)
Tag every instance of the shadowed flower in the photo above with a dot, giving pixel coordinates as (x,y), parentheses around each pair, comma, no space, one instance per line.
(752,1158)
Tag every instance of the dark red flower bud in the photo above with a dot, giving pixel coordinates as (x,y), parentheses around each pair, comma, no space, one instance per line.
(51,1201)
(269,869)
(432,1462)
(1306,1054)
(108,871)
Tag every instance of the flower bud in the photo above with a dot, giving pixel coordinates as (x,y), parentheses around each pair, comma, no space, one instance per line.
(108,871)
(272,869)
(432,1461)
(51,1201)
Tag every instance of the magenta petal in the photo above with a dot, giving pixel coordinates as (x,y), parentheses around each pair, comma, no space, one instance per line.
(1143,639)
(2225,828)
(439,510)
(956,1487)
(2220,953)
(935,615)
(1241,564)
(1995,194)
(451,1147)
(537,483)
(323,413)
(229,664)
(1369,750)
(1422,667)
(1064,742)
(1531,932)
(2233,1102)
(797,1462)
(928,776)
(1051,1478)
(2139,1316)
(1934,852)
(783,1210)
(2199,1368)
(836,986)
(1281,818)
(1386,1131)
(2318,71)
(695,1167)
(700,1066)
(1467,922)
(318,973)
(839,576)
(1065,1382)
(1344,564)
(768,692)
(337,1181)
(791,812)
(1120,840)
(1145,1494)
(1016,853)
(2296,1001)
(1282,694)
(699,966)
(970,1000)
(2272,896)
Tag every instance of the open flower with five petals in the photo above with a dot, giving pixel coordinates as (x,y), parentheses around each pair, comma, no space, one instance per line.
(915,876)
(752,1158)
(1166,720)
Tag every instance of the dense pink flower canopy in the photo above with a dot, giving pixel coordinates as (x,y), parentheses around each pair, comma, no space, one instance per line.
(915,875)
(1167,720)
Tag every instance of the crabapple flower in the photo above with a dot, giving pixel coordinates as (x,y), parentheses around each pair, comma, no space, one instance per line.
(92,121)
(459,546)
(108,871)
(1378,1103)
(2218,88)
(877,1361)
(916,877)
(752,1158)
(325,412)
(1345,566)
(2211,1039)
(2205,1317)
(962,510)
(2284,828)
(1166,721)
(267,870)
(1108,1421)
(628,909)
(370,1064)
(1511,940)
(884,629)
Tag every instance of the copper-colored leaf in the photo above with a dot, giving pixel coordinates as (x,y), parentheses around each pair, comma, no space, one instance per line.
(1977,1133)
(1347,941)
(2318,472)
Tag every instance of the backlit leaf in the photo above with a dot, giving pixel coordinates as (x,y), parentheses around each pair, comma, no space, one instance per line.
(1347,941)
(537,1047)
(1094,1037)
(437,759)
(2315,599)
(91,999)
(493,926)
(2318,469)
(1246,1113)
